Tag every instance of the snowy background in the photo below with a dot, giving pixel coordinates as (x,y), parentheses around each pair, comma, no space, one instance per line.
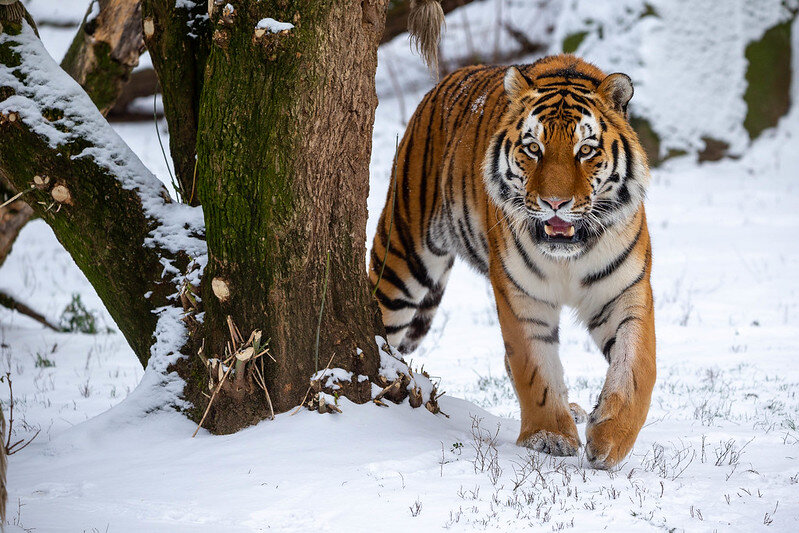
(720,450)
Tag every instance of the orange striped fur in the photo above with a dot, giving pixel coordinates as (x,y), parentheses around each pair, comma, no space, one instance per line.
(534,176)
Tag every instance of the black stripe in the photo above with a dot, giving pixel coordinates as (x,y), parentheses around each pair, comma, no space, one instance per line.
(608,346)
(526,258)
(597,320)
(393,305)
(536,321)
(395,329)
(615,264)
(552,338)
(389,274)
(532,377)
(544,399)
(521,289)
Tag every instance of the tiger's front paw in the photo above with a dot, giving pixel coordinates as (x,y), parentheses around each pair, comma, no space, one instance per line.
(552,443)
(612,429)
(558,436)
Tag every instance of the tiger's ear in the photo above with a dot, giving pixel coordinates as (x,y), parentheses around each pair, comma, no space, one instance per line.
(617,90)
(515,83)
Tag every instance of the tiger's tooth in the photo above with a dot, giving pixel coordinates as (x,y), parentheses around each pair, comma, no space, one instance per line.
(548,230)
(570,231)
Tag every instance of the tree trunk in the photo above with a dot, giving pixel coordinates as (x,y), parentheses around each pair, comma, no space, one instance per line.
(283,173)
(106,49)
(12,218)
(178,40)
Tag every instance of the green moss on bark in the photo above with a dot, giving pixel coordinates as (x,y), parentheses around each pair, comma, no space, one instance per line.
(768,78)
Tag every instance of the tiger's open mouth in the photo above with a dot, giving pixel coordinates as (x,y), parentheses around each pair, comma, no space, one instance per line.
(558,231)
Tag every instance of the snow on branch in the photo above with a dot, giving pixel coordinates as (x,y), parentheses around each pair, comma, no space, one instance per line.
(53,107)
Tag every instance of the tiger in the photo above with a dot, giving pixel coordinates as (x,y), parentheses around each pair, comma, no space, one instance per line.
(533,175)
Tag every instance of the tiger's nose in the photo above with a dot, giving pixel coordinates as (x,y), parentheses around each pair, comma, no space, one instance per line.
(555,203)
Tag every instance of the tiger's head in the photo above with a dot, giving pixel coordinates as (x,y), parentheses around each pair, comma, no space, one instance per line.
(565,164)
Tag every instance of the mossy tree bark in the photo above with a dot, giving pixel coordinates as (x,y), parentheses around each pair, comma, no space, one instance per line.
(101,58)
(283,164)
(99,220)
(106,49)
(178,40)
(283,140)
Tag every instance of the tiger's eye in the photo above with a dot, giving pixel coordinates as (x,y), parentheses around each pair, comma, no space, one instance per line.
(586,149)
(534,148)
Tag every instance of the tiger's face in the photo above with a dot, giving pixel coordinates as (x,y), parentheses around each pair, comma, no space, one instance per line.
(566,166)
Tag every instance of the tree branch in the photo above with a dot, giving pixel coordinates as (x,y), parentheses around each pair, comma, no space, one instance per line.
(110,213)
(178,39)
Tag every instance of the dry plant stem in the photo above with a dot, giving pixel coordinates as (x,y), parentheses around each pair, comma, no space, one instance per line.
(305,396)
(321,310)
(388,389)
(10,411)
(12,448)
(211,401)
(266,391)
(14,198)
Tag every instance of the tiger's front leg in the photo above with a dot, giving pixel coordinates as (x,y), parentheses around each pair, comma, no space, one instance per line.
(530,331)
(625,331)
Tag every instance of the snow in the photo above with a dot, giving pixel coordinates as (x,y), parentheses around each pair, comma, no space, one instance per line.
(719,451)
(332,376)
(94,11)
(273,26)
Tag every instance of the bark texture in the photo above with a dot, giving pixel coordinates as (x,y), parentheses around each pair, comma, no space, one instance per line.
(283,149)
(178,40)
(101,224)
(105,50)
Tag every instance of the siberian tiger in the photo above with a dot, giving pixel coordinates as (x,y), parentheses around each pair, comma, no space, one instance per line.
(534,176)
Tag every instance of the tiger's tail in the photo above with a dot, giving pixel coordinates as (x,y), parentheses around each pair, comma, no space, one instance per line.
(425,21)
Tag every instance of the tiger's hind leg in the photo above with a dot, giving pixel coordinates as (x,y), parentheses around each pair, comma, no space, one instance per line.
(409,287)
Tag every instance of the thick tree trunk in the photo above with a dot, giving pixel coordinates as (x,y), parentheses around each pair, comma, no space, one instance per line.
(283,173)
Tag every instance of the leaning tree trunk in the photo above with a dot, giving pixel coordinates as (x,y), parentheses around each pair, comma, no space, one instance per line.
(283,151)
(109,212)
(101,57)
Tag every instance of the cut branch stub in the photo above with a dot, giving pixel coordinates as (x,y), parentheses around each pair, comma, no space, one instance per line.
(61,194)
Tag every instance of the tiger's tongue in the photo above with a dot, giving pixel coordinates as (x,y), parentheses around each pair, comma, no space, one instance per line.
(559,225)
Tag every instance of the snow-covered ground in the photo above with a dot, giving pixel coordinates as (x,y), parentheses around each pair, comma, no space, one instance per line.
(720,450)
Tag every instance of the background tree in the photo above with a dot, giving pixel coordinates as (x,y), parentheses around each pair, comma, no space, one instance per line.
(271,129)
